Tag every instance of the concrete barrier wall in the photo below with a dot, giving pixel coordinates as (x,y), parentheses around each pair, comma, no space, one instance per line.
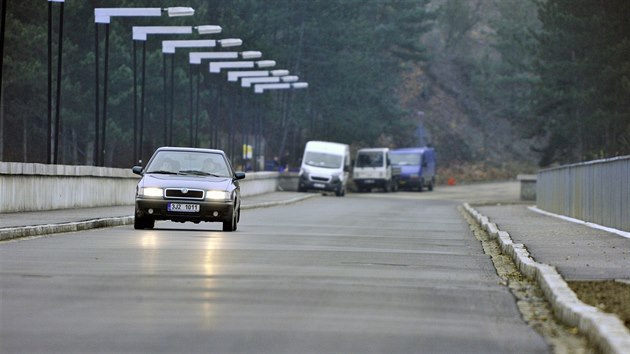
(31,187)
(259,183)
(595,191)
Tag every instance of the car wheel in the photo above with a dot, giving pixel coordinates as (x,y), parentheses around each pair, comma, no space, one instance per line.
(140,223)
(231,223)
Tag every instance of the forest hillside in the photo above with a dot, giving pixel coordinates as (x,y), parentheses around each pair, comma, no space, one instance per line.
(498,87)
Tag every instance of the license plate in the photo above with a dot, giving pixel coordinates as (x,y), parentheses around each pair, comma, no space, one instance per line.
(183,208)
(369,181)
(319,185)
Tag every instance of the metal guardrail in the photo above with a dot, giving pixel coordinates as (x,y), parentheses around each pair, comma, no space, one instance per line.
(595,191)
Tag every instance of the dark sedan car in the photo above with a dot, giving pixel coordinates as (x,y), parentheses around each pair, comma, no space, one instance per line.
(188,184)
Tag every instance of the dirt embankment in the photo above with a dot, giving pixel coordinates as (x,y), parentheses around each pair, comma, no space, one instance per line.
(609,296)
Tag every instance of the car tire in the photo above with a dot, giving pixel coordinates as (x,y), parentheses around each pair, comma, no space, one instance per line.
(232,223)
(140,223)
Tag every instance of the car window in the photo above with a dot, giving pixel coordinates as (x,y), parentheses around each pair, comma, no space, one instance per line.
(321,159)
(405,159)
(370,159)
(189,162)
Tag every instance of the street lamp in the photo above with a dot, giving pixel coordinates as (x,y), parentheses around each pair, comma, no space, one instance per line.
(170,47)
(3,19)
(260,88)
(195,58)
(216,67)
(103,16)
(140,33)
(287,85)
(248,81)
(58,89)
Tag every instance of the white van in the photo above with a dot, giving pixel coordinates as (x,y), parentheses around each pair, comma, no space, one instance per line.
(373,169)
(325,167)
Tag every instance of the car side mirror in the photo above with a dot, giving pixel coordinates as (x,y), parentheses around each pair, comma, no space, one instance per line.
(137,170)
(239,175)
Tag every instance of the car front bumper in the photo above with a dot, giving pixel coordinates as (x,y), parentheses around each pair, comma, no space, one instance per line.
(410,182)
(208,210)
(331,186)
(370,182)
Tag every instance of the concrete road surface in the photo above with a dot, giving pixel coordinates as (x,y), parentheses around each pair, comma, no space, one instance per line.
(384,273)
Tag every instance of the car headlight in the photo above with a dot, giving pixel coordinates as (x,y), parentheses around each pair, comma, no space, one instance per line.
(150,192)
(218,195)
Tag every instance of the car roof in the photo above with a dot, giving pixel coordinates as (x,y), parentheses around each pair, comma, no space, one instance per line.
(411,149)
(373,150)
(190,149)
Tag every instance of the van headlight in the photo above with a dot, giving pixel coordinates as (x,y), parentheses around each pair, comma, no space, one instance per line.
(218,195)
(151,192)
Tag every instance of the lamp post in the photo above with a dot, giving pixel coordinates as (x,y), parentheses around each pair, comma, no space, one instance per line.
(216,67)
(140,33)
(195,58)
(103,16)
(170,47)
(3,18)
(248,81)
(51,157)
(253,77)
(262,87)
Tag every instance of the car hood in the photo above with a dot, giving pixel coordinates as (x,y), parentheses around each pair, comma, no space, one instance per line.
(321,171)
(186,181)
(408,169)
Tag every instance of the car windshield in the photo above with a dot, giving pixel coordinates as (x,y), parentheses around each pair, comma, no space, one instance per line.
(197,163)
(370,159)
(321,159)
(410,159)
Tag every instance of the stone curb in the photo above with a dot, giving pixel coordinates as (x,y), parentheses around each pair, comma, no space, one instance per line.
(39,230)
(605,330)
(279,202)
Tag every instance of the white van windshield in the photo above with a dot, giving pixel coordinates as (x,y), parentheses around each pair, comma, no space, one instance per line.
(321,159)
(370,159)
(411,159)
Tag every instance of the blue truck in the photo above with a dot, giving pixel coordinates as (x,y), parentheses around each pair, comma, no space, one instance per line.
(417,167)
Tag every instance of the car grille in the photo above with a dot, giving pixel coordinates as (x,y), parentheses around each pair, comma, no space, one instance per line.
(319,179)
(184,193)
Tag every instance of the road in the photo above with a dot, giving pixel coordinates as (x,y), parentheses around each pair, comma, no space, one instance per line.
(385,273)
